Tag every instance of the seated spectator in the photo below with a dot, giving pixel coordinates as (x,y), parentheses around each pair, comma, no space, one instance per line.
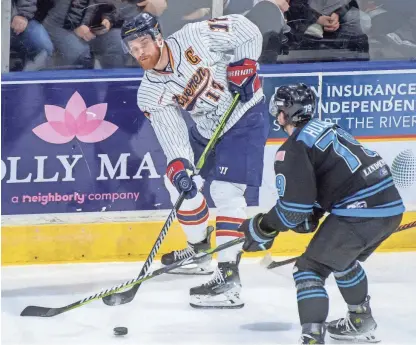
(339,33)
(269,16)
(29,40)
(130,8)
(334,12)
(182,12)
(329,16)
(82,30)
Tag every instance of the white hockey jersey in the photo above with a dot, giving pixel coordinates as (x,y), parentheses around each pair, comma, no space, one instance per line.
(199,54)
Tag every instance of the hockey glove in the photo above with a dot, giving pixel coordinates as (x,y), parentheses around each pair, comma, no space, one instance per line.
(256,238)
(179,172)
(243,78)
(311,223)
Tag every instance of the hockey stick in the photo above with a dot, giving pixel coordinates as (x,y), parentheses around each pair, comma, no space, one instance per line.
(49,312)
(269,264)
(127,296)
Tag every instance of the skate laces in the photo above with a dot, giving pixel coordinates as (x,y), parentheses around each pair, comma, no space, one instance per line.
(347,323)
(184,253)
(217,279)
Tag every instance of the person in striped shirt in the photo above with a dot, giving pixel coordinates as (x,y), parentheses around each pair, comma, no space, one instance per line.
(198,70)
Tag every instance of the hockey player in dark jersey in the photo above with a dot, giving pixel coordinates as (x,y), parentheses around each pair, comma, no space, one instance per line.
(322,168)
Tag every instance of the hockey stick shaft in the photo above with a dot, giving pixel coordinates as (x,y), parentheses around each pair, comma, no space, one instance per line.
(49,312)
(127,296)
(274,264)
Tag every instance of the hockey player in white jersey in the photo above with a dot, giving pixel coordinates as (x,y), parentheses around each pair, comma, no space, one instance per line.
(199,69)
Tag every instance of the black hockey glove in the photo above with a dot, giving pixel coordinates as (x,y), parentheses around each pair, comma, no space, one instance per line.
(256,238)
(311,223)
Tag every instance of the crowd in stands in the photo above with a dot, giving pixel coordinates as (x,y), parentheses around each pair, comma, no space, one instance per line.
(85,34)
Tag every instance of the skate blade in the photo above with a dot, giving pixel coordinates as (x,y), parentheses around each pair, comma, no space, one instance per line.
(202,269)
(228,300)
(360,339)
(199,306)
(191,272)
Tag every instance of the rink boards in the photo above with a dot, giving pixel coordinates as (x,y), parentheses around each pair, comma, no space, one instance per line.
(88,187)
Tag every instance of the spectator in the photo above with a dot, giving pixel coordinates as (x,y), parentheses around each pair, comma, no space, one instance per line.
(182,12)
(83,29)
(269,16)
(130,8)
(320,16)
(28,38)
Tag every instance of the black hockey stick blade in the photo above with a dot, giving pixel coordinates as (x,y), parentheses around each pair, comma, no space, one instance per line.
(38,311)
(128,295)
(121,297)
(41,311)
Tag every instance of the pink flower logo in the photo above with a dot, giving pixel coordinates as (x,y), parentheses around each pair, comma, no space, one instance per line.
(76,120)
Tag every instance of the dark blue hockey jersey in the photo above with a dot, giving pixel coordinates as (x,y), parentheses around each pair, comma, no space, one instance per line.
(322,164)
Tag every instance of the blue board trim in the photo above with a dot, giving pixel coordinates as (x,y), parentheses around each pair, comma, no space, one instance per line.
(293,68)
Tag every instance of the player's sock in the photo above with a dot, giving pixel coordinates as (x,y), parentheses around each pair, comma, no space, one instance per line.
(352,284)
(193,214)
(313,303)
(193,217)
(231,204)
(358,325)
(226,230)
(222,291)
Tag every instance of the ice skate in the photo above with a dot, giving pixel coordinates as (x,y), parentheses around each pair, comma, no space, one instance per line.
(357,326)
(202,268)
(312,333)
(222,291)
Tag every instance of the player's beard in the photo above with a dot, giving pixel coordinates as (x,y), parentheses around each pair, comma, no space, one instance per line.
(150,61)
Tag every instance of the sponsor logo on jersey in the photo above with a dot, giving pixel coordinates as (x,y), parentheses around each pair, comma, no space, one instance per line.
(280,156)
(374,167)
(358,204)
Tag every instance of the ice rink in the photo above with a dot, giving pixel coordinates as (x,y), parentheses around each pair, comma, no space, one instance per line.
(160,313)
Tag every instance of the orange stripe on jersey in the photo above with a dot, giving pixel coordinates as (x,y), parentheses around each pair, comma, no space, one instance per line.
(194,212)
(229,233)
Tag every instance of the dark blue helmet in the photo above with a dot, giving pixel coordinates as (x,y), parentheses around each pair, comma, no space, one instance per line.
(297,102)
(143,24)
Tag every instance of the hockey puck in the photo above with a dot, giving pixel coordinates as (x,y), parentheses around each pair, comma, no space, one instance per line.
(120,330)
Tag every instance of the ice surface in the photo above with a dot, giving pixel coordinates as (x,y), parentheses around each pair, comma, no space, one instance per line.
(160,313)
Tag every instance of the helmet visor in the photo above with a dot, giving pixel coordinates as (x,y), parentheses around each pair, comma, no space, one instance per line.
(275,106)
(136,42)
